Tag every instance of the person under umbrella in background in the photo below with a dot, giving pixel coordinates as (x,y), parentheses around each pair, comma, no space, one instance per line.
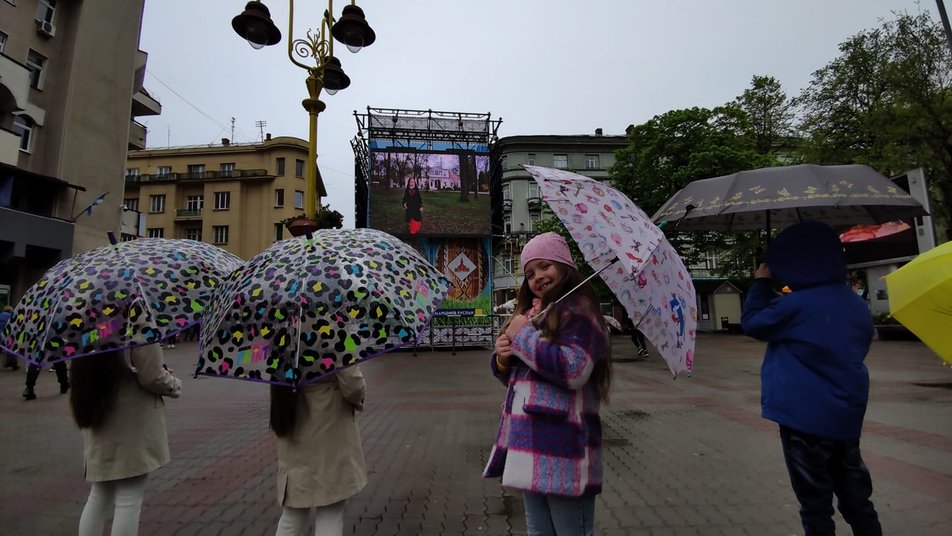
(33,373)
(320,458)
(118,405)
(9,361)
(549,444)
(814,383)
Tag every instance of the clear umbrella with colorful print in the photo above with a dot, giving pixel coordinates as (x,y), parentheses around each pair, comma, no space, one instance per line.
(309,306)
(123,295)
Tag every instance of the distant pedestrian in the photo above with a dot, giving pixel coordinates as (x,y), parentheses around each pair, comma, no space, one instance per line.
(121,413)
(555,361)
(33,373)
(638,338)
(320,457)
(814,382)
(9,361)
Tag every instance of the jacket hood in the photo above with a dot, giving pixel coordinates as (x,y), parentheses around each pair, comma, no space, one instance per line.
(807,255)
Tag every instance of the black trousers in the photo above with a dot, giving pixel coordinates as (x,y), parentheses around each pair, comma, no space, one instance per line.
(821,468)
(33,372)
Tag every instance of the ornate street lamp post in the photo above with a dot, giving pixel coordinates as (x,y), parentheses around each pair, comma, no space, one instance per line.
(323,69)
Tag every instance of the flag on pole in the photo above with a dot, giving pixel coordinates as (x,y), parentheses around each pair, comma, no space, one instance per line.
(98,201)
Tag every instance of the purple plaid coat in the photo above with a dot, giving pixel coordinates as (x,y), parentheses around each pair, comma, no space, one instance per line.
(550,434)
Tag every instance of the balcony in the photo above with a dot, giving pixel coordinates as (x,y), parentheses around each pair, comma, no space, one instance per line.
(187,214)
(534,203)
(507,205)
(145,104)
(15,77)
(136,136)
(9,147)
(209,175)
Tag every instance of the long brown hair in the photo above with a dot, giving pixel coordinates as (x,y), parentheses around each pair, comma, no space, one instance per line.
(571,278)
(95,382)
(284,403)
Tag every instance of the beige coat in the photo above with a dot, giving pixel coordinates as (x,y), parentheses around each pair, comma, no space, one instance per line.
(132,441)
(322,462)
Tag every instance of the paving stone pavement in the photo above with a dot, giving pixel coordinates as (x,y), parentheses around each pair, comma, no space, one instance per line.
(690,456)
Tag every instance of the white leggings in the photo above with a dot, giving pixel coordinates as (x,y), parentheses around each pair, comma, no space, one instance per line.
(328,520)
(123,497)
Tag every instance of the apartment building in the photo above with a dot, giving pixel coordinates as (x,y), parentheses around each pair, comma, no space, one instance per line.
(233,195)
(71,84)
(522,205)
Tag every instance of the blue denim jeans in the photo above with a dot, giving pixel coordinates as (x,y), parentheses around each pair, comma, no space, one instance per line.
(820,468)
(549,515)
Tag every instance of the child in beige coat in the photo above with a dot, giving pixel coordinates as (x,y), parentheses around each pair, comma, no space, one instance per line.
(118,405)
(320,458)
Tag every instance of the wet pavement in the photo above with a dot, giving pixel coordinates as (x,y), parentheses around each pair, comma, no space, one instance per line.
(690,456)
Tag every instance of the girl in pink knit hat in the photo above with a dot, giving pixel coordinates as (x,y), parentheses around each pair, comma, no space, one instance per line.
(553,357)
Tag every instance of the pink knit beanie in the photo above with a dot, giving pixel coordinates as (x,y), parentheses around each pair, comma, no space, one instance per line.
(550,246)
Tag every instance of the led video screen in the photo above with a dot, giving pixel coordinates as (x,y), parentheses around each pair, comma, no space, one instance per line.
(417,194)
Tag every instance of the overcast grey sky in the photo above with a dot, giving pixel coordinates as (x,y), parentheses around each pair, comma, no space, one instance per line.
(543,66)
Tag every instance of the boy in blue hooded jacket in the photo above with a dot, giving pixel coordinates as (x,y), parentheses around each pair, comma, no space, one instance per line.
(813,380)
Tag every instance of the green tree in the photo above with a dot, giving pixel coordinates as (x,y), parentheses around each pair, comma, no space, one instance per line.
(886,101)
(681,146)
(769,112)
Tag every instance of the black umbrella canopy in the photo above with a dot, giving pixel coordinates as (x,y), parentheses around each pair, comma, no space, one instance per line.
(776,197)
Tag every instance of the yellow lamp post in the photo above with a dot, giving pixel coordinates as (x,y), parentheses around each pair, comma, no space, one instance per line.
(323,68)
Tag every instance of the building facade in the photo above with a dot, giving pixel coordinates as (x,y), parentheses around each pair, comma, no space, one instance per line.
(71,84)
(521,204)
(235,196)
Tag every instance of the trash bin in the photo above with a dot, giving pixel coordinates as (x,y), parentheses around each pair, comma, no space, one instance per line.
(725,323)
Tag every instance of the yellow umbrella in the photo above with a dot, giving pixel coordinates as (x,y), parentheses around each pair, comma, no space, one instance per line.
(920,296)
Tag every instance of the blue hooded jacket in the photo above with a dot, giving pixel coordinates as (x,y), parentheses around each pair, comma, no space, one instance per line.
(813,378)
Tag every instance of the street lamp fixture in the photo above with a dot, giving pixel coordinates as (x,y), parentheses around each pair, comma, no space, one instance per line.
(315,54)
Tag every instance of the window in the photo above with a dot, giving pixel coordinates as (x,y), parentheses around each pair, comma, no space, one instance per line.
(507,192)
(34,64)
(164,171)
(23,127)
(222,200)
(299,168)
(156,203)
(3,41)
(131,203)
(507,264)
(278,231)
(530,159)
(279,197)
(194,203)
(193,233)
(298,199)
(227,170)
(44,12)
(560,161)
(710,261)
(534,218)
(533,189)
(196,171)
(280,165)
(155,232)
(507,224)
(592,162)
(504,162)
(133,172)
(221,234)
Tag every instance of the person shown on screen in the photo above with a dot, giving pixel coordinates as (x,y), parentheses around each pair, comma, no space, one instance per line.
(413,205)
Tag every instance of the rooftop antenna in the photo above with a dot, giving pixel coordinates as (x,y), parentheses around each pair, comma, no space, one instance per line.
(232,129)
(261,125)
